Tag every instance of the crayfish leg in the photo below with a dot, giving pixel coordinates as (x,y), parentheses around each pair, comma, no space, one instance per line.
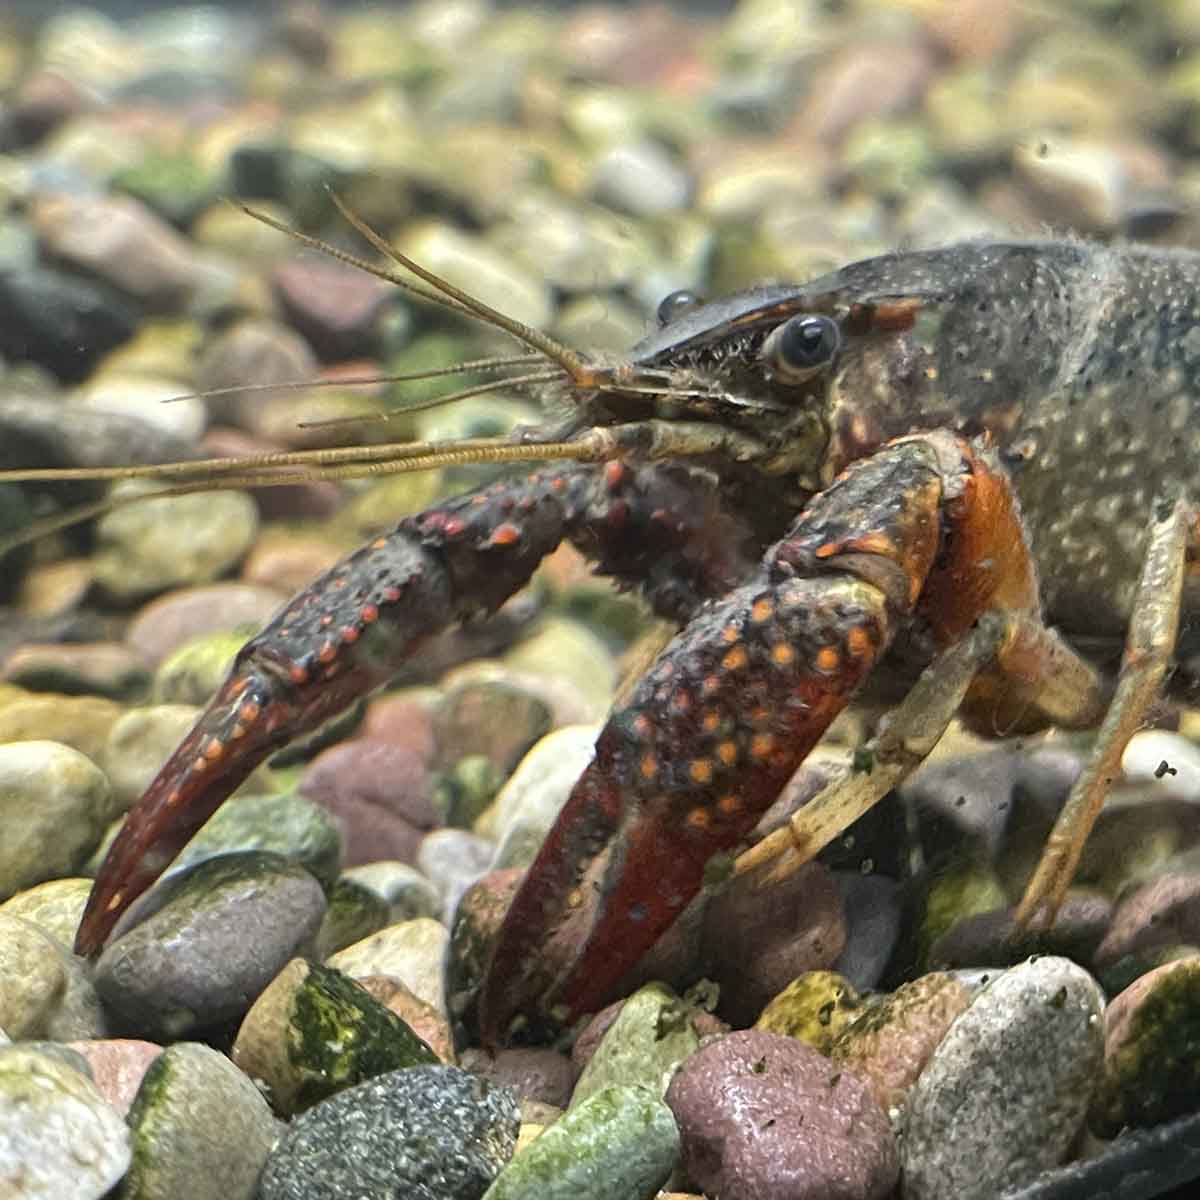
(1150,644)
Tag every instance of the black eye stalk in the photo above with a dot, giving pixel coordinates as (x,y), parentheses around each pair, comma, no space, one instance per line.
(674,306)
(802,347)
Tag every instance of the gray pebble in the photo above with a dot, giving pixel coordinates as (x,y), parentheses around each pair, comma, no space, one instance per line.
(210,939)
(1009,1086)
(424,1133)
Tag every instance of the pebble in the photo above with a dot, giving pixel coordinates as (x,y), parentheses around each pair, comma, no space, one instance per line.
(640,178)
(652,1034)
(411,952)
(537,1074)
(890,1041)
(1007,1090)
(452,859)
(166,623)
(760,939)
(403,718)
(814,1008)
(288,562)
(60,1136)
(529,802)
(335,307)
(407,892)
(286,824)
(491,718)
(118,1066)
(1152,1050)
(191,674)
(763,1117)
(379,794)
(200,1129)
(429,1133)
(355,912)
(55,907)
(196,951)
(426,1021)
(1161,912)
(54,806)
(872,904)
(621,1143)
(97,668)
(120,241)
(45,991)
(160,544)
(145,397)
(313,1032)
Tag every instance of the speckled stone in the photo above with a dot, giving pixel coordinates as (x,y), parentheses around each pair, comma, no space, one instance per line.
(764,1117)
(426,1133)
(814,1008)
(1008,1088)
(118,1066)
(537,1074)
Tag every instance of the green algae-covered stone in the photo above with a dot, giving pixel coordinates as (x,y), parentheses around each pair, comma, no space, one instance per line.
(644,1046)
(355,912)
(814,1008)
(1152,1050)
(621,1141)
(957,892)
(314,1031)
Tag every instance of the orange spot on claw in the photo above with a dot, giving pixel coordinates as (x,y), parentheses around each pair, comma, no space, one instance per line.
(368,613)
(391,595)
(649,766)
(729,804)
(642,725)
(828,550)
(736,659)
(710,685)
(506,534)
(761,744)
(454,526)
(782,654)
(701,770)
(200,764)
(298,673)
(828,659)
(349,634)
(379,544)
(115,902)
(213,750)
(250,711)
(858,641)
(711,721)
(699,818)
(763,610)
(731,634)
(327,653)
(681,701)
(727,753)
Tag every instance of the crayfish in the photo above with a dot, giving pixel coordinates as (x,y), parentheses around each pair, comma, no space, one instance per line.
(932,456)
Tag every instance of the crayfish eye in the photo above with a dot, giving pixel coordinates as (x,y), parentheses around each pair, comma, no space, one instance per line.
(672,307)
(801,347)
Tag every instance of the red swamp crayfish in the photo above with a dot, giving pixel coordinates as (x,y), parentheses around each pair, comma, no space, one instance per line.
(913,458)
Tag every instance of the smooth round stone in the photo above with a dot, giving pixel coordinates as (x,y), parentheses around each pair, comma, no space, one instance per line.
(472,264)
(286,562)
(889,1043)
(1161,912)
(1007,1090)
(143,397)
(412,952)
(355,912)
(95,668)
(196,951)
(529,802)
(621,1142)
(286,824)
(60,1137)
(427,1022)
(45,991)
(430,1133)
(191,674)
(408,893)
(81,722)
(562,648)
(121,241)
(167,623)
(1165,758)
(378,793)
(200,1128)
(1152,1050)
(764,1117)
(314,1031)
(336,307)
(118,1066)
(760,939)
(492,718)
(643,1047)
(640,178)
(452,859)
(54,806)
(55,907)
(166,543)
